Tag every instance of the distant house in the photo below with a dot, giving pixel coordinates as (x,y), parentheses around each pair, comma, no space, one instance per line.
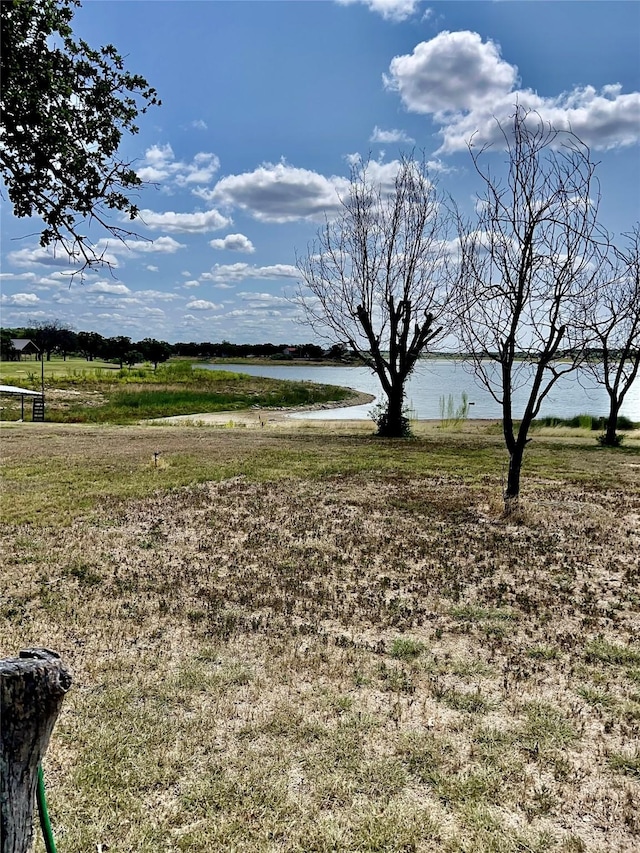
(24,346)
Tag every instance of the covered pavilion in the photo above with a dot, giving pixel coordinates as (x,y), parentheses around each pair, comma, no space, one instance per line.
(15,391)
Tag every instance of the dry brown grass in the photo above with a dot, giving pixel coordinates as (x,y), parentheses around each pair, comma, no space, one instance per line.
(354,654)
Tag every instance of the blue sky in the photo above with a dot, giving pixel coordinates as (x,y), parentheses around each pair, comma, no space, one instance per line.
(264,105)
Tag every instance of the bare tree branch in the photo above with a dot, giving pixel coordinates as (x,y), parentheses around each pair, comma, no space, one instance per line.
(614,326)
(378,278)
(527,271)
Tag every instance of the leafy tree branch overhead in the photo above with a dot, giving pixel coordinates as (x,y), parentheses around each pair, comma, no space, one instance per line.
(65,107)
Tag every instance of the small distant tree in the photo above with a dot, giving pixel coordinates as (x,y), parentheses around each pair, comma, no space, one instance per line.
(378,278)
(89,344)
(311,351)
(338,352)
(48,335)
(525,272)
(154,351)
(116,348)
(132,357)
(7,349)
(67,342)
(615,327)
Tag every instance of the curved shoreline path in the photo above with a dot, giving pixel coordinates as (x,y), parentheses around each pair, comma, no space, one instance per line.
(262,417)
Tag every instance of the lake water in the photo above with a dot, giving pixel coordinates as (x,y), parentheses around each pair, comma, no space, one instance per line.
(432,379)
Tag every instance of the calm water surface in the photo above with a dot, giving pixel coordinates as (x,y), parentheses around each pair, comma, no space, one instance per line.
(572,395)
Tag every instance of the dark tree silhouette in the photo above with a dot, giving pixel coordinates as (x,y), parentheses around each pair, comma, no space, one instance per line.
(90,344)
(526,272)
(614,327)
(378,277)
(154,351)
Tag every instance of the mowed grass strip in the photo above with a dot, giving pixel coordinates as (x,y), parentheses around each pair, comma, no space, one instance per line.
(323,641)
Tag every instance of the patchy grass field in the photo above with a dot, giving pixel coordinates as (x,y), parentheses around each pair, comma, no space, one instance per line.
(308,639)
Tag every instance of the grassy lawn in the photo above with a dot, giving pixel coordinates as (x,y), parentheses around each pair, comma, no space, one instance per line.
(29,371)
(77,391)
(308,639)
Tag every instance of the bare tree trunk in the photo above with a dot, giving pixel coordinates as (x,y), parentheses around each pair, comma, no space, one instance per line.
(610,436)
(393,426)
(512,492)
(32,688)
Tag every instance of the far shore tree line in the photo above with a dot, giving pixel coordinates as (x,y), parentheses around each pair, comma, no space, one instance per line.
(54,338)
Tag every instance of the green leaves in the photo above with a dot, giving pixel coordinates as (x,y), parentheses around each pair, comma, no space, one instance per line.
(65,107)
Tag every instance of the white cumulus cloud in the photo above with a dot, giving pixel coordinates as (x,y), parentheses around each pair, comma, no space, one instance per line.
(266,301)
(109,287)
(155,295)
(223,273)
(465,84)
(234,243)
(19,276)
(278,192)
(453,71)
(52,258)
(600,119)
(202,305)
(391,10)
(20,299)
(162,245)
(30,315)
(389,137)
(160,166)
(184,223)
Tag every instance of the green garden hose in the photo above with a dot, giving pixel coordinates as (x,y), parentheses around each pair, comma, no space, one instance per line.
(45,823)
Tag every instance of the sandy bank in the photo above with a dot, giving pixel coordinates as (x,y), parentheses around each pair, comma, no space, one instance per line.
(262,417)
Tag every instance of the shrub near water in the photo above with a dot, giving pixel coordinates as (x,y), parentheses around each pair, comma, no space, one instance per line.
(591,422)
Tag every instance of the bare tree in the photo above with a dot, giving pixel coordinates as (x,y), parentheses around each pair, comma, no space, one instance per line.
(615,327)
(378,278)
(525,272)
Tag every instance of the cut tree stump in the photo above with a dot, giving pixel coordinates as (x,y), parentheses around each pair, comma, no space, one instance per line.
(32,688)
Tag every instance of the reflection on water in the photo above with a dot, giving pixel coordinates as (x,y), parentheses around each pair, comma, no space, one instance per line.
(574,394)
